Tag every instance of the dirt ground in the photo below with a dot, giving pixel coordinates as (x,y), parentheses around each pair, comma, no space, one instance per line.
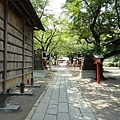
(104,99)
(26,102)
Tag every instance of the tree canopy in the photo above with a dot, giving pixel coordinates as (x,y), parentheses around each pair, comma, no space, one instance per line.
(84,27)
(98,23)
(48,40)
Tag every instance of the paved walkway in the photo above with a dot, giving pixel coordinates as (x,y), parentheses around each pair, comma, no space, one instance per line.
(62,100)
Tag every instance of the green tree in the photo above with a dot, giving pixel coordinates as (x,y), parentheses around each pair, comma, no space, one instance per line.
(48,40)
(98,23)
(56,40)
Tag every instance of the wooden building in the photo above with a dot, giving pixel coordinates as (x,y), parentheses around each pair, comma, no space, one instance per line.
(18,20)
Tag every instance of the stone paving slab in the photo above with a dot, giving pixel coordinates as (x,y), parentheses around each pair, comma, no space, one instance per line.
(62,100)
(63,116)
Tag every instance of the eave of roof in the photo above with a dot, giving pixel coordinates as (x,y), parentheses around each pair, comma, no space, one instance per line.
(24,8)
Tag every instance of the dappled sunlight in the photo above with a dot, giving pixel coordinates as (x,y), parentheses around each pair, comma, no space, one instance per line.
(69,91)
(74,78)
(103,97)
(62,68)
(40,82)
(118,86)
(101,104)
(16,90)
(74,89)
(54,86)
(111,75)
(66,75)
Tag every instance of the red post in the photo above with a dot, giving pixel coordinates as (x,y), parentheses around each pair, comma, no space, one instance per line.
(98,62)
(74,64)
(98,73)
(44,63)
(80,64)
(57,62)
(28,81)
(67,62)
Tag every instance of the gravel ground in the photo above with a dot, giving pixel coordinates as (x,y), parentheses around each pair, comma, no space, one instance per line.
(104,99)
(26,102)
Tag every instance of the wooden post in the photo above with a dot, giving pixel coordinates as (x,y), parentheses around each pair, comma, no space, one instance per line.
(98,72)
(22,86)
(32,79)
(3,95)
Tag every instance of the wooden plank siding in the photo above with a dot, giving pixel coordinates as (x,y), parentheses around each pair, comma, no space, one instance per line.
(16,48)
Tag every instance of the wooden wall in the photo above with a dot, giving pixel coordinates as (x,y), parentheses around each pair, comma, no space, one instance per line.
(16,50)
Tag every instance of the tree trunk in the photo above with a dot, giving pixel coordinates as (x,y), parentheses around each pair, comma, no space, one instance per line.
(102,76)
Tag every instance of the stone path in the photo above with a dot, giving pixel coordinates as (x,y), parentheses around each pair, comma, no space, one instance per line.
(62,100)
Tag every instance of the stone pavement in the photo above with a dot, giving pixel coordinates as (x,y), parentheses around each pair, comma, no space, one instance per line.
(62,100)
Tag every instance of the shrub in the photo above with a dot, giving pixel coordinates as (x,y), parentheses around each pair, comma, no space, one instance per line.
(110,64)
